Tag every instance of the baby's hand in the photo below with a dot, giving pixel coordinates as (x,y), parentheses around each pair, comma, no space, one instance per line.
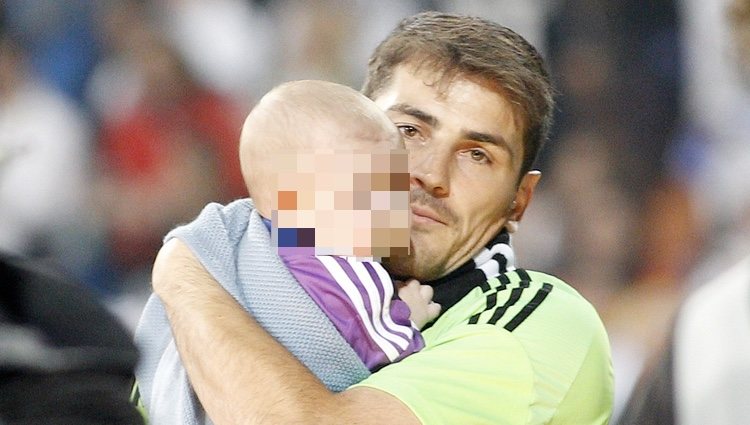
(419,299)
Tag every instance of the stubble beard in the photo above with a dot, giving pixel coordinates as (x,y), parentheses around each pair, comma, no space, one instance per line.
(419,264)
(422,263)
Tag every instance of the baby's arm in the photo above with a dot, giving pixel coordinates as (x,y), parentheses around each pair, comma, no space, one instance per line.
(419,299)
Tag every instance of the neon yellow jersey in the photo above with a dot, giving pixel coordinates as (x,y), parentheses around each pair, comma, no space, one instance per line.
(524,348)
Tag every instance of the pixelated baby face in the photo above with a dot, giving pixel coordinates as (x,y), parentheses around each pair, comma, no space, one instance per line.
(342,203)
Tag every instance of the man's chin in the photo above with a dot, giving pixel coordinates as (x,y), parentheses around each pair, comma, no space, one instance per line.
(398,266)
(408,267)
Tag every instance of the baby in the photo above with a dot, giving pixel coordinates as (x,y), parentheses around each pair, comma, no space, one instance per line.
(327,174)
(328,171)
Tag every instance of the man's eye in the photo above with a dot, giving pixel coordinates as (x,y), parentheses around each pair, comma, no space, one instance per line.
(478,155)
(408,131)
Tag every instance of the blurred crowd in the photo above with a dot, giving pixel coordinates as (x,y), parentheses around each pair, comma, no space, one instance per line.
(119,119)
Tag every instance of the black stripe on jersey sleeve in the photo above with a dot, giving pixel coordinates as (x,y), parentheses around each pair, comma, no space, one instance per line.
(529,308)
(491,303)
(523,275)
(485,285)
(515,295)
(504,281)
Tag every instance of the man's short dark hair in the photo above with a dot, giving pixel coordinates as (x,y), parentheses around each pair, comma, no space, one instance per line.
(478,49)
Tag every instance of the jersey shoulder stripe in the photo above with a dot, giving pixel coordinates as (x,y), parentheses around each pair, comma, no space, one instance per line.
(511,298)
(529,308)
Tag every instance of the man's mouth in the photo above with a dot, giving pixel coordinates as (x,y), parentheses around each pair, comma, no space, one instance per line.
(422,215)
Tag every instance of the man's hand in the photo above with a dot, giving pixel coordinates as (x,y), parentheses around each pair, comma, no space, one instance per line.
(419,299)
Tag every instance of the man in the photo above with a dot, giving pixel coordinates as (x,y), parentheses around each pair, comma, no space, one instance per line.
(473,103)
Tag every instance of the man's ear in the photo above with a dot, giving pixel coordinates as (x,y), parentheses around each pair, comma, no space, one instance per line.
(524,194)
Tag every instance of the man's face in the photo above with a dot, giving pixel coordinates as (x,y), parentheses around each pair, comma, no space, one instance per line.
(465,152)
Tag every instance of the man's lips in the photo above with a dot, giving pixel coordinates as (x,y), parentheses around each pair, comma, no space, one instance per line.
(425,215)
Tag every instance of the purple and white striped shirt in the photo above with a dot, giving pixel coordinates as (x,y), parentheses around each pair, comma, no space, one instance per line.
(358,297)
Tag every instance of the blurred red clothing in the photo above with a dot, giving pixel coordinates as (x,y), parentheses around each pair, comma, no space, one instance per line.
(138,146)
(173,153)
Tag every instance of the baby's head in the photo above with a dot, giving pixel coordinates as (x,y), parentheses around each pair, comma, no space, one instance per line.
(329,169)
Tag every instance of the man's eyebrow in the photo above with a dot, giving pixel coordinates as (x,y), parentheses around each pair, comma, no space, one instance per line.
(498,141)
(417,113)
(470,135)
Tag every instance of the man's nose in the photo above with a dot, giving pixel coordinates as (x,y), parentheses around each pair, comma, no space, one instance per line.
(429,169)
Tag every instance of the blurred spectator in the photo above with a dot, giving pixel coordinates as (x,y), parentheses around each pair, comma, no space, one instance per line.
(380,17)
(44,165)
(165,157)
(116,84)
(712,152)
(314,38)
(620,222)
(331,39)
(526,17)
(228,43)
(605,156)
(702,372)
(59,38)
(64,359)
(617,64)
(669,241)
(593,250)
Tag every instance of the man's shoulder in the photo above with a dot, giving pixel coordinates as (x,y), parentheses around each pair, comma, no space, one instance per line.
(547,318)
(524,347)
(536,323)
(520,297)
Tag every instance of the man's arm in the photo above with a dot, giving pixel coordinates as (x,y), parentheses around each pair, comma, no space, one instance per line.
(241,374)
